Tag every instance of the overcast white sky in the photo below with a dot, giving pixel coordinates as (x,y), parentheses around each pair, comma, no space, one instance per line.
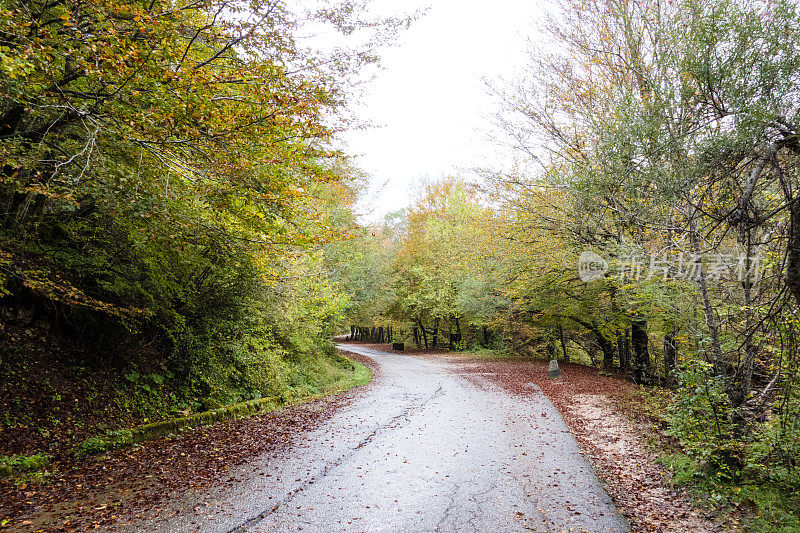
(430,103)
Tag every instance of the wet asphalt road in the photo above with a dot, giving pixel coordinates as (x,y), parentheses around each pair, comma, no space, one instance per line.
(422,449)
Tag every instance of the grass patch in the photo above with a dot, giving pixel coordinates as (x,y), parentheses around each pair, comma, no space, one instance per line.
(103,443)
(361,375)
(312,376)
(683,469)
(768,508)
(75,404)
(14,465)
(759,508)
(488,354)
(485,354)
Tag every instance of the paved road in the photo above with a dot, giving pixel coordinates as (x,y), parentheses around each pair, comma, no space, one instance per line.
(422,449)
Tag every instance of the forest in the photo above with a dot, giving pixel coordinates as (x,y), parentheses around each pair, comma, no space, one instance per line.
(179,229)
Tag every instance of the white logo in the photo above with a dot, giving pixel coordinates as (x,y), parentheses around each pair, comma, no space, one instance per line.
(591,266)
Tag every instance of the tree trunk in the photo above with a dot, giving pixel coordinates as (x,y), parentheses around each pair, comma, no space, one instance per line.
(608,350)
(450,337)
(624,348)
(424,334)
(455,337)
(606,346)
(670,357)
(740,394)
(793,252)
(708,310)
(608,355)
(435,331)
(551,349)
(641,355)
(563,343)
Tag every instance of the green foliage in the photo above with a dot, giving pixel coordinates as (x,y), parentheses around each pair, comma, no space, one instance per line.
(774,455)
(104,443)
(164,167)
(321,375)
(663,130)
(763,507)
(21,464)
(683,469)
(776,509)
(420,268)
(252,349)
(112,215)
(701,417)
(758,476)
(361,267)
(168,180)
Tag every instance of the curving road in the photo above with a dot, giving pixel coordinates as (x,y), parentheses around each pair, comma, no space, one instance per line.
(421,449)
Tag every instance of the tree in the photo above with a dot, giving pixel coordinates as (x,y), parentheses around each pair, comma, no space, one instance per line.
(140,138)
(361,265)
(669,129)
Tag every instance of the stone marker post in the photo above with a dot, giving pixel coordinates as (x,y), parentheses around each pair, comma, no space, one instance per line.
(553,371)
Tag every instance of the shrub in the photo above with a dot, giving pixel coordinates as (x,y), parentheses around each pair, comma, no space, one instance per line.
(16,464)
(700,418)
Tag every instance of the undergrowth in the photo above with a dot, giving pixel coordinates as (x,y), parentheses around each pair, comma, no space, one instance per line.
(744,498)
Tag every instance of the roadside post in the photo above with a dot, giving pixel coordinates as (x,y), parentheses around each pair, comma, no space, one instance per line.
(553,372)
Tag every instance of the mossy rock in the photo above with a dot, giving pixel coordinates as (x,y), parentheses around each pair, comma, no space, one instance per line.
(209,404)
